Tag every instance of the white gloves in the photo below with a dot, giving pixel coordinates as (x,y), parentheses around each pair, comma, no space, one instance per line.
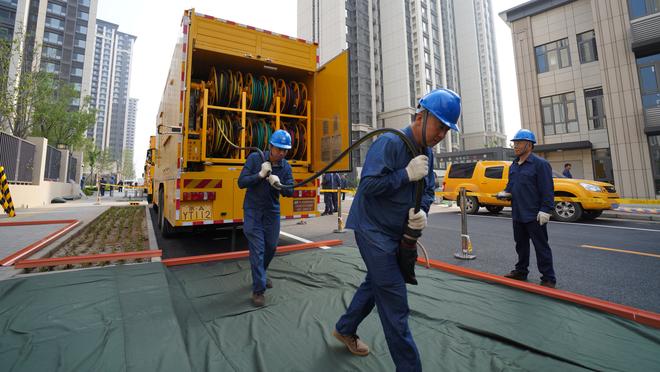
(543,218)
(416,221)
(418,168)
(503,195)
(275,182)
(265,169)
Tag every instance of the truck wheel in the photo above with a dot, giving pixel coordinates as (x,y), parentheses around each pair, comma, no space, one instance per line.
(471,205)
(166,230)
(150,198)
(494,208)
(567,211)
(591,215)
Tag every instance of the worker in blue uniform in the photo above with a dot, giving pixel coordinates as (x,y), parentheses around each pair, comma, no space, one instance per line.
(381,211)
(531,191)
(263,179)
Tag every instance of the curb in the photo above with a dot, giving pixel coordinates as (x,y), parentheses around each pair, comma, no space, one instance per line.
(631,216)
(151,234)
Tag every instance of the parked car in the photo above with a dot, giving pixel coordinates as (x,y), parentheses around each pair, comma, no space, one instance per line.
(490,177)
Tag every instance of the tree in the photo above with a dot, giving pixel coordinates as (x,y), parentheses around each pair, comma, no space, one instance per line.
(56,120)
(127,169)
(98,160)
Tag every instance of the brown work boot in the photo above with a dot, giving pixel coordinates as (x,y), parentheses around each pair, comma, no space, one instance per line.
(549,284)
(269,284)
(353,343)
(517,275)
(258,299)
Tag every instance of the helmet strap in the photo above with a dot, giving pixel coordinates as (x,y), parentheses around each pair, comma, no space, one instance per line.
(424,117)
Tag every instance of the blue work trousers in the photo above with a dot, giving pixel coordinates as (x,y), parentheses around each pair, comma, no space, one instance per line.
(383,287)
(522,232)
(262,229)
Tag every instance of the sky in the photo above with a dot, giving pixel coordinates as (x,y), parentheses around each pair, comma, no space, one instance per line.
(156,24)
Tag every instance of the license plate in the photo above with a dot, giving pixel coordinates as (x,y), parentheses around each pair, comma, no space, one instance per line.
(196,212)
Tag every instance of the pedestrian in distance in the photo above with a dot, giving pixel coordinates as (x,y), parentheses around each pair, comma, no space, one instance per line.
(344,186)
(82,183)
(567,170)
(381,212)
(336,185)
(102,186)
(531,191)
(328,184)
(263,178)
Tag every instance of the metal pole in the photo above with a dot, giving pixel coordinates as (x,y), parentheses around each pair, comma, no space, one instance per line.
(466,244)
(98,191)
(340,223)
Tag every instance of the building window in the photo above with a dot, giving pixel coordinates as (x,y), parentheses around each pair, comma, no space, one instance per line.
(587,47)
(649,76)
(654,147)
(53,38)
(559,114)
(51,67)
(641,8)
(56,9)
(595,108)
(602,160)
(83,15)
(55,23)
(426,42)
(552,56)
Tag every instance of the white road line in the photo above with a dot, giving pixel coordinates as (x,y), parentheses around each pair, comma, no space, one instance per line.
(302,240)
(581,224)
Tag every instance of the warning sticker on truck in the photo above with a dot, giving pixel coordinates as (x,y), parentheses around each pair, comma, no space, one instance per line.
(196,212)
(303,205)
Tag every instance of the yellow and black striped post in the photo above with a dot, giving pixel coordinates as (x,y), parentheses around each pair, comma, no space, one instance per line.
(5,199)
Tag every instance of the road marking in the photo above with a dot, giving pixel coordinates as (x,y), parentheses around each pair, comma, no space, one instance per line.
(580,224)
(620,250)
(303,240)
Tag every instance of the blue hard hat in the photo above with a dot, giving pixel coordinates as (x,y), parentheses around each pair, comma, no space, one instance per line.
(525,135)
(281,139)
(445,105)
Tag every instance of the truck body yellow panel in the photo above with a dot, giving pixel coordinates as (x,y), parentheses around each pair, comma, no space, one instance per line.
(230,83)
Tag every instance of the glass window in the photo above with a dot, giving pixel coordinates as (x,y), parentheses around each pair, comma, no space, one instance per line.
(50,52)
(559,114)
(648,78)
(83,15)
(56,9)
(55,23)
(76,71)
(654,147)
(595,108)
(552,56)
(53,38)
(587,47)
(641,8)
(83,2)
(426,42)
(494,172)
(80,43)
(82,29)
(51,67)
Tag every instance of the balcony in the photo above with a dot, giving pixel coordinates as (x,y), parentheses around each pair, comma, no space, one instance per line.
(644,32)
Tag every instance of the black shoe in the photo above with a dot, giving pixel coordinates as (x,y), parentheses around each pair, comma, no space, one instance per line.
(549,284)
(517,275)
(258,299)
(269,284)
(324,213)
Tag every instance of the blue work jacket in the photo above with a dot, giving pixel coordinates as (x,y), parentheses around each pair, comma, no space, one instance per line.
(260,194)
(531,188)
(385,193)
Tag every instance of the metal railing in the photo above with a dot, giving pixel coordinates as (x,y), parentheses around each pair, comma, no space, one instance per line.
(71,169)
(53,159)
(17,156)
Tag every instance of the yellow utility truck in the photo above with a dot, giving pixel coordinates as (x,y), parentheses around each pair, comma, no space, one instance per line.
(234,85)
(149,170)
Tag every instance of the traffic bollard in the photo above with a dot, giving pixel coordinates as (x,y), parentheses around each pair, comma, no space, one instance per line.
(466,244)
(340,222)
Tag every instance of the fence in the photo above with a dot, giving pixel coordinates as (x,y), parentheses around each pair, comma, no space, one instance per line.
(71,170)
(17,156)
(53,159)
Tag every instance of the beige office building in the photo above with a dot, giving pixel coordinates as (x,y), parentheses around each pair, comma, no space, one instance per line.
(579,65)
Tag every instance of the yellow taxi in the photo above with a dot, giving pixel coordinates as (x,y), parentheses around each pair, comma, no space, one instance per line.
(490,177)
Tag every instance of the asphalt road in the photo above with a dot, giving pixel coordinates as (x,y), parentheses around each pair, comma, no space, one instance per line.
(584,257)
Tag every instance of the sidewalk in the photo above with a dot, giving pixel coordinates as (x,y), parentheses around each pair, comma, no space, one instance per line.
(646,212)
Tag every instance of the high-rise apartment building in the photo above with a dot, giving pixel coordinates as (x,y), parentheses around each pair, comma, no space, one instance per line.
(55,36)
(588,76)
(111,74)
(399,51)
(130,124)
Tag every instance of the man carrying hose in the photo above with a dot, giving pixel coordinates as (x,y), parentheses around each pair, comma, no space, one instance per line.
(382,216)
(263,178)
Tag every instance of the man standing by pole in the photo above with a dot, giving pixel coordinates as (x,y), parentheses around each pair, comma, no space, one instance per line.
(531,191)
(381,213)
(261,207)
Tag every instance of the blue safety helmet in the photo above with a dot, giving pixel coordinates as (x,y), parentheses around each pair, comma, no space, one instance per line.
(281,139)
(445,105)
(525,135)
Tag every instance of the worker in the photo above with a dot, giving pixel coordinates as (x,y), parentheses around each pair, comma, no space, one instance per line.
(530,189)
(330,182)
(263,178)
(567,170)
(380,214)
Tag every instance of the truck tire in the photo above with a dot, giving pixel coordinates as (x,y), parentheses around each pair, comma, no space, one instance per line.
(494,208)
(166,230)
(150,198)
(471,205)
(591,215)
(567,211)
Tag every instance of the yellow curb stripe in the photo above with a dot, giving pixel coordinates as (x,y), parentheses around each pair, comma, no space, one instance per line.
(620,251)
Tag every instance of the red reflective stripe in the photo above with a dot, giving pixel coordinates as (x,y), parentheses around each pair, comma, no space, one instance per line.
(185,47)
(218,184)
(203,183)
(185,29)
(186,182)
(197,223)
(178,204)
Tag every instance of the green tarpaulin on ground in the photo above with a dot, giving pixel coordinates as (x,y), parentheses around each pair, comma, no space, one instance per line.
(199,317)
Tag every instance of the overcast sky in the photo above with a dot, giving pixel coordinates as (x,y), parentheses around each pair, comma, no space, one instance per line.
(156,25)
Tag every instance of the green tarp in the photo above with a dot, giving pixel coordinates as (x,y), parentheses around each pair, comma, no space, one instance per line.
(200,318)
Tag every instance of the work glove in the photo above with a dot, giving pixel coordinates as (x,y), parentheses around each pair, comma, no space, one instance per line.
(266,168)
(418,168)
(543,218)
(406,258)
(275,182)
(503,195)
(416,221)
